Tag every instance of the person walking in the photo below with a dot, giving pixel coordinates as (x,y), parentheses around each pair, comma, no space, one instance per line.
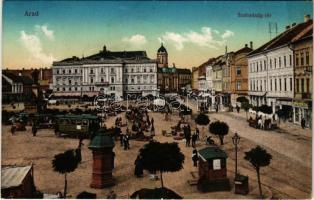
(195,157)
(152,131)
(34,130)
(197,131)
(188,139)
(126,142)
(303,122)
(138,171)
(194,138)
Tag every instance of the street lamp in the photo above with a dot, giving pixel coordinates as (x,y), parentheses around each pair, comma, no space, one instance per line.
(235,140)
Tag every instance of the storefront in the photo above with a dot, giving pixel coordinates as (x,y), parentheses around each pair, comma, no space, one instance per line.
(302,110)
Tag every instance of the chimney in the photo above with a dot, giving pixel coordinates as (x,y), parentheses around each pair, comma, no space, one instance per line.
(245,45)
(251,45)
(307,18)
(287,27)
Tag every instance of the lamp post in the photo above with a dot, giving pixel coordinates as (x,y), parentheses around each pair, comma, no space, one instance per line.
(235,141)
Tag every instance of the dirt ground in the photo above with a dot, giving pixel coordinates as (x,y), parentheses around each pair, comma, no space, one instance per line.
(284,178)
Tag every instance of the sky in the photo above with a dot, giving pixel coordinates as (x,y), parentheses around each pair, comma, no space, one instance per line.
(191,31)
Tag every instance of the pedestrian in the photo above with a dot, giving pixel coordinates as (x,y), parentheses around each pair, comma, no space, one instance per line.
(188,139)
(152,121)
(152,131)
(126,142)
(138,171)
(217,109)
(121,139)
(194,138)
(34,130)
(303,122)
(195,157)
(238,109)
(197,131)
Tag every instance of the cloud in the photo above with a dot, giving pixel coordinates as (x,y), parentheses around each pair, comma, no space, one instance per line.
(227,34)
(204,38)
(44,28)
(137,40)
(34,46)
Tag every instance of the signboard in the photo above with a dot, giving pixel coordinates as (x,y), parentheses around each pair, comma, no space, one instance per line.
(78,127)
(216,164)
(300,104)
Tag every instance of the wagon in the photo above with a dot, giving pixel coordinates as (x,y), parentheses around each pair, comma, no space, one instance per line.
(77,125)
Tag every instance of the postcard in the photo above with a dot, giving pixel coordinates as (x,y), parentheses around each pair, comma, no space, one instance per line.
(157,99)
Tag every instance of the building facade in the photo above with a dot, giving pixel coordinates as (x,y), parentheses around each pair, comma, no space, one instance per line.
(117,74)
(239,74)
(195,78)
(303,77)
(271,71)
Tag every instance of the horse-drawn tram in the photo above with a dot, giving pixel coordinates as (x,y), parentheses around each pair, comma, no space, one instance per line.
(76,125)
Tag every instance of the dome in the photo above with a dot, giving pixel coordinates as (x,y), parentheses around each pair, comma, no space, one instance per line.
(162,49)
(101,140)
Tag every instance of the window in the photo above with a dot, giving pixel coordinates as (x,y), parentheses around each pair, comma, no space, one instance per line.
(91,71)
(63,89)
(75,88)
(57,73)
(238,71)
(296,59)
(144,69)
(275,84)
(126,70)
(308,85)
(290,84)
(75,71)
(70,81)
(70,71)
(138,69)
(151,70)
(302,59)
(70,88)
(257,66)
(275,63)
(297,86)
(63,71)
(265,85)
(285,84)
(279,84)
(270,63)
(112,80)
(102,70)
(238,85)
(307,58)
(91,80)
(132,80)
(102,80)
(284,61)
(265,65)
(271,84)
(279,60)
(132,70)
(261,65)
(302,85)
(290,59)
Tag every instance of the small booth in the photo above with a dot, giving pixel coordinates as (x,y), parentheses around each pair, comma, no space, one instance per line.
(212,170)
(17,182)
(241,184)
(103,160)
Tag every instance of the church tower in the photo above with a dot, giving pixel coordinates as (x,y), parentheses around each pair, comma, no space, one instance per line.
(162,57)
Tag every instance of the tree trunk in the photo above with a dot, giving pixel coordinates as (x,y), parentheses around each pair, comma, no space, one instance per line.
(221,138)
(65,186)
(162,181)
(259,184)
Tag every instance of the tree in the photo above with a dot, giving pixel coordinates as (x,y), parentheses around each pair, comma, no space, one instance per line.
(162,157)
(65,163)
(219,128)
(202,120)
(246,106)
(258,157)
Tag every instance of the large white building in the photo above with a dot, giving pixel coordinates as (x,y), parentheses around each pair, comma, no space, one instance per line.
(271,71)
(116,73)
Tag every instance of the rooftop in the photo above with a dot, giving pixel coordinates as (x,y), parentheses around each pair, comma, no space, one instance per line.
(13,176)
(212,153)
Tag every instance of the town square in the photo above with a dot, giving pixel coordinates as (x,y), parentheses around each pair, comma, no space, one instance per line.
(133,110)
